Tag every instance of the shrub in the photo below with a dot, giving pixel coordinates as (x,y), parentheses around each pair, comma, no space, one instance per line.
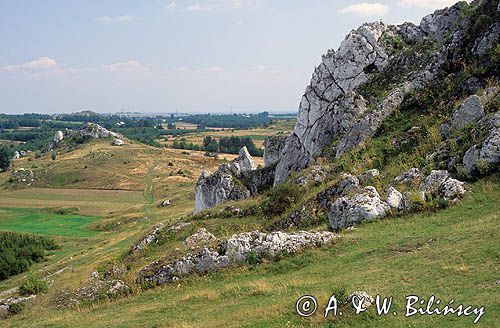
(281,198)
(16,308)
(253,258)
(4,158)
(19,251)
(33,286)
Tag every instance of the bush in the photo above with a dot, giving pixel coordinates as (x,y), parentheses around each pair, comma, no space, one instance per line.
(16,308)
(4,158)
(33,286)
(19,251)
(281,198)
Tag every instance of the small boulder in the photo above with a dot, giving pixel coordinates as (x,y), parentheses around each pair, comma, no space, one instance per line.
(452,189)
(369,175)
(394,198)
(117,142)
(201,236)
(411,176)
(361,298)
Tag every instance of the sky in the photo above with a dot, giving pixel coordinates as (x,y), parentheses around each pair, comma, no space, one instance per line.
(162,56)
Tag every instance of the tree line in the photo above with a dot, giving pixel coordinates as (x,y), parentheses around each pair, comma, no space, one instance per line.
(228,145)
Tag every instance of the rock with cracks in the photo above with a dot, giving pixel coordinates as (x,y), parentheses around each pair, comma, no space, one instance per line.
(236,250)
(364,206)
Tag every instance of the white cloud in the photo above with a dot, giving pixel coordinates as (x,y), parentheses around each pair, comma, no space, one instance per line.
(265,69)
(115,19)
(128,66)
(210,5)
(213,69)
(197,7)
(40,63)
(188,69)
(171,6)
(431,4)
(366,9)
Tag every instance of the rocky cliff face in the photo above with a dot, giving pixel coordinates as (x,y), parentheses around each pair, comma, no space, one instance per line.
(338,112)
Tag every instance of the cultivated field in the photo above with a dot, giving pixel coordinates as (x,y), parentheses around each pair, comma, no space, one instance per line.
(258,135)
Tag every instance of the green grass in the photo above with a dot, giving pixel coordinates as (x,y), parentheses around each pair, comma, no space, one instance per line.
(452,254)
(46,223)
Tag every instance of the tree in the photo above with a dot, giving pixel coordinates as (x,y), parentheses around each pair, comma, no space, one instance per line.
(5,159)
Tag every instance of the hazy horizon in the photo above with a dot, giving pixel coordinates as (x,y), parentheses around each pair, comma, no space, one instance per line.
(204,56)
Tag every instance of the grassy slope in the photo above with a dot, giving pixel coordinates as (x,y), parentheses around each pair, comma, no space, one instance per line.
(46,223)
(452,253)
(109,221)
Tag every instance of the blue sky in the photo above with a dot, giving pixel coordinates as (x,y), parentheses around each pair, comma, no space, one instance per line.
(165,55)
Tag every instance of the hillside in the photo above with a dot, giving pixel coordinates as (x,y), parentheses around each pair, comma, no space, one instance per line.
(387,185)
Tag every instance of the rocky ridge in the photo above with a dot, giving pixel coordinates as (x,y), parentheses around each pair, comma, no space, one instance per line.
(335,114)
(236,250)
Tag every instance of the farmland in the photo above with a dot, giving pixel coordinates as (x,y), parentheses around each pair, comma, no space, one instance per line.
(258,135)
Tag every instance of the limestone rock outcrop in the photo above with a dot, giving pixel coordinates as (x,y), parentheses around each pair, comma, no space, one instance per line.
(243,163)
(95,131)
(200,236)
(469,112)
(439,183)
(488,152)
(235,181)
(235,250)
(272,149)
(338,112)
(213,189)
(365,206)
(58,137)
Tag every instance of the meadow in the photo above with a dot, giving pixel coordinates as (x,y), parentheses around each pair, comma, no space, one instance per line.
(42,222)
(451,254)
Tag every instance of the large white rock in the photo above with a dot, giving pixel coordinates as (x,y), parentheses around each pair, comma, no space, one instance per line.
(212,189)
(365,206)
(439,184)
(58,137)
(327,107)
(243,163)
(394,198)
